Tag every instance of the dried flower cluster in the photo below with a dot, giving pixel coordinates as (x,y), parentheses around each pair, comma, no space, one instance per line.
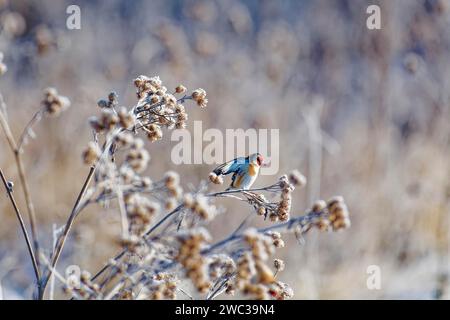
(284,206)
(119,156)
(277,211)
(164,239)
(216,179)
(200,206)
(297,179)
(221,266)
(337,217)
(81,286)
(253,276)
(191,258)
(199,96)
(158,108)
(54,103)
(140,211)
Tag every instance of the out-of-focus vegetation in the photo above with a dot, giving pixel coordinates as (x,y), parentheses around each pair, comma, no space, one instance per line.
(361,112)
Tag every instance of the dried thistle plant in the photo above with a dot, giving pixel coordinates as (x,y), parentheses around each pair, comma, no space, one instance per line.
(164,228)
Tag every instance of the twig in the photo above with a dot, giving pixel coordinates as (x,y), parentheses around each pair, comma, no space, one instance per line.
(122,211)
(150,231)
(242,224)
(52,279)
(60,277)
(20,168)
(29,203)
(26,131)
(218,291)
(288,225)
(284,225)
(75,210)
(185,293)
(215,194)
(23,227)
(68,226)
(173,212)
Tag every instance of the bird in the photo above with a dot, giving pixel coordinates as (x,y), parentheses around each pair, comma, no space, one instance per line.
(245,171)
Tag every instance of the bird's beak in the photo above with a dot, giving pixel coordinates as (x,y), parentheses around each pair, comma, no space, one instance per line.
(265,164)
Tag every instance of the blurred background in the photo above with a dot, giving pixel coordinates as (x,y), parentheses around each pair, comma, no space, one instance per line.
(362,113)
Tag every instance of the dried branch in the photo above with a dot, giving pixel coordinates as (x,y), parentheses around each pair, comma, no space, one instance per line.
(21,170)
(9,190)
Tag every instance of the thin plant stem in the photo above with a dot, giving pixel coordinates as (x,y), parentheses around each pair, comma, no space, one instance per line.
(74,213)
(23,227)
(26,131)
(29,203)
(216,194)
(21,171)
(67,228)
(150,231)
(173,212)
(123,213)
(52,279)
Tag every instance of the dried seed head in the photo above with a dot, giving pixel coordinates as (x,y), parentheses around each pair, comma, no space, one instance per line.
(338,213)
(154,132)
(261,211)
(180,125)
(199,96)
(188,200)
(281,291)
(109,119)
(319,206)
(138,159)
(112,98)
(171,179)
(297,179)
(85,276)
(180,89)
(323,224)
(137,144)
(170,100)
(274,234)
(127,174)
(146,86)
(154,99)
(203,209)
(54,103)
(190,257)
(170,204)
(278,243)
(126,119)
(95,124)
(124,139)
(214,178)
(278,264)
(146,182)
(230,288)
(91,154)
(102,103)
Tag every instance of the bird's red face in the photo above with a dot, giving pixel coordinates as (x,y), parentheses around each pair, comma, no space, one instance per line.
(259,159)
